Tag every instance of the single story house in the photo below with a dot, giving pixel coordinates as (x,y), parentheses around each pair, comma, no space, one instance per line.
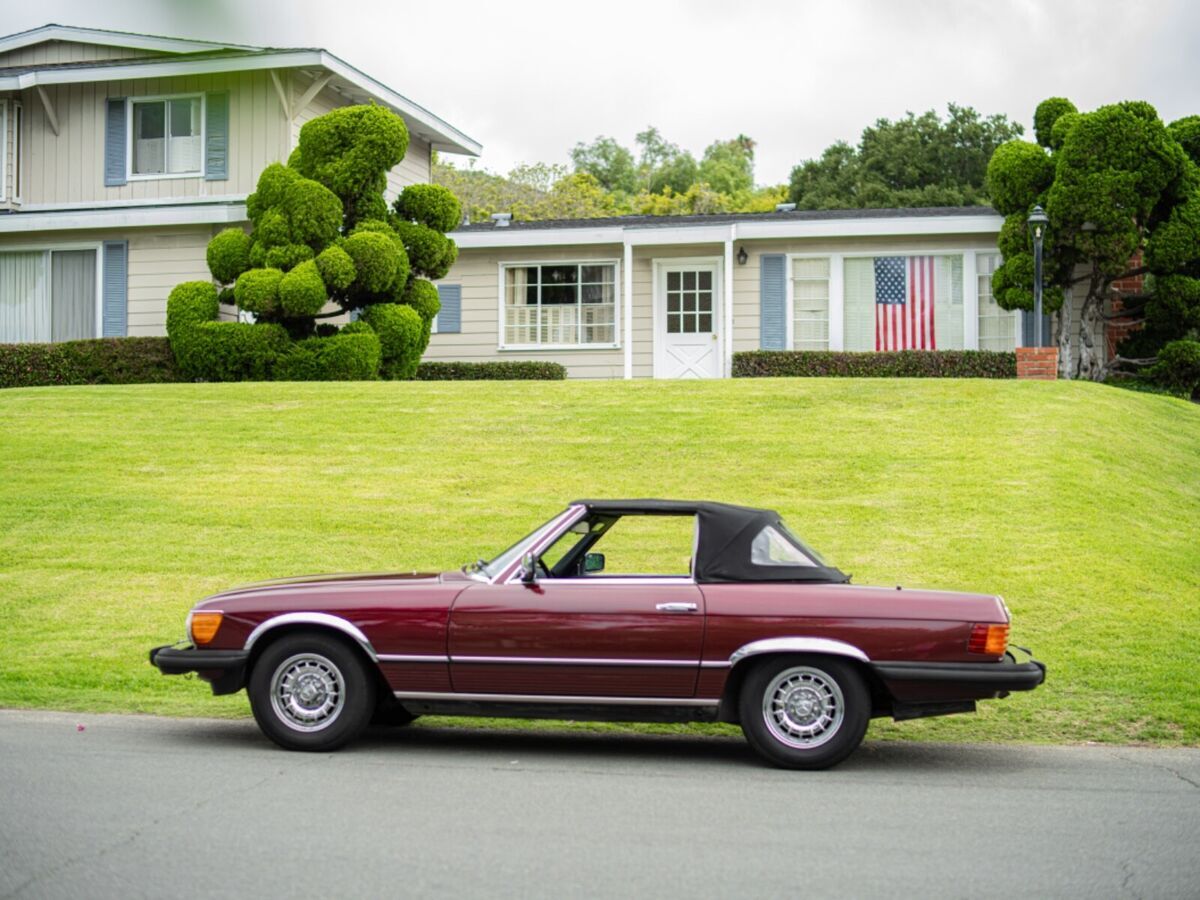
(676,297)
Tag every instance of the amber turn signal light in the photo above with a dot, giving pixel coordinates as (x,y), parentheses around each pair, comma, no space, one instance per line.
(988,639)
(204,626)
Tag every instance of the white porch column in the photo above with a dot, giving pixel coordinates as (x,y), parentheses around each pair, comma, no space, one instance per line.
(970,302)
(727,303)
(627,305)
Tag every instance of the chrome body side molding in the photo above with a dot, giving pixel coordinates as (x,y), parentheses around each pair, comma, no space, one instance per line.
(797,645)
(557,698)
(552,661)
(324,620)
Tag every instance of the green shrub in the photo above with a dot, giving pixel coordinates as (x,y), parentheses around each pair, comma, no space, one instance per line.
(257,290)
(270,191)
(430,252)
(137,360)
(401,332)
(429,204)
(505,370)
(1048,112)
(1187,132)
(379,264)
(422,296)
(313,212)
(336,268)
(901,364)
(190,303)
(229,351)
(286,256)
(1018,170)
(228,255)
(347,356)
(1178,368)
(301,291)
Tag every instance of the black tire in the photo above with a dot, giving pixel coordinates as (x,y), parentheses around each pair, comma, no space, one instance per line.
(312,678)
(804,712)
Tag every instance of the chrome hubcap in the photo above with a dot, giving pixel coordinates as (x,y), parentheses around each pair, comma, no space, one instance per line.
(307,692)
(803,707)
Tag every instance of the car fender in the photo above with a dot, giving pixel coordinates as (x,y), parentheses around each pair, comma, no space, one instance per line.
(323,620)
(797,645)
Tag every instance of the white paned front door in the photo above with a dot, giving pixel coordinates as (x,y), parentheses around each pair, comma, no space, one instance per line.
(687,321)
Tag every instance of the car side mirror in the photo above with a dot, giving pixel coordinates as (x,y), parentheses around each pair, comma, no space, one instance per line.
(593,562)
(528,569)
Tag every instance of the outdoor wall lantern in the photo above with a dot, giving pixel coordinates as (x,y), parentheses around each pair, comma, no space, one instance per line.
(742,256)
(1038,220)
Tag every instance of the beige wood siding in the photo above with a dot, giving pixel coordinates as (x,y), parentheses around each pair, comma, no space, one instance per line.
(50,52)
(746,278)
(69,168)
(478,271)
(643,297)
(159,259)
(415,168)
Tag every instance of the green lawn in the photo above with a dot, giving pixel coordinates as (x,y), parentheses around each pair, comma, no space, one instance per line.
(1080,504)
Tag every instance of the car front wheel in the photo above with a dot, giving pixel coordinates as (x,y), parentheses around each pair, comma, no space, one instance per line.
(804,713)
(311,692)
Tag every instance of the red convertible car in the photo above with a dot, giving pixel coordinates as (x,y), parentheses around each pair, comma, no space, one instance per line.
(630,610)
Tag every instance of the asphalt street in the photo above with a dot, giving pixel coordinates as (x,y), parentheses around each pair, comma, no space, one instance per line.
(147,807)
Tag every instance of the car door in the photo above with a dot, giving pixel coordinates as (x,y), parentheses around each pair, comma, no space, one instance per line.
(586,637)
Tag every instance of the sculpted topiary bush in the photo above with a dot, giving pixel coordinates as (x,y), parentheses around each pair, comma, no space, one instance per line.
(323,243)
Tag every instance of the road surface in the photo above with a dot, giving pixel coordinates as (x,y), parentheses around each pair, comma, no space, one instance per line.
(147,807)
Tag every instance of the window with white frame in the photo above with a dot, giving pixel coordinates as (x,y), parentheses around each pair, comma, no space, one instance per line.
(997,327)
(167,136)
(810,303)
(48,295)
(903,301)
(559,305)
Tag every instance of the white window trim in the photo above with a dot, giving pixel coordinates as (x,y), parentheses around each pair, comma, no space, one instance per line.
(835,262)
(526,348)
(837,286)
(130,175)
(47,249)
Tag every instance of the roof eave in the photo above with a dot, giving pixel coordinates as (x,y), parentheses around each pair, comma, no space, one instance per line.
(107,38)
(673,232)
(441,135)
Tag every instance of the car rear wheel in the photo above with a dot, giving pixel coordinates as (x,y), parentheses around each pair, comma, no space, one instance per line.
(311,692)
(804,712)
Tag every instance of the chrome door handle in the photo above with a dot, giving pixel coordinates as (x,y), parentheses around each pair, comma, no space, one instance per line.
(675,607)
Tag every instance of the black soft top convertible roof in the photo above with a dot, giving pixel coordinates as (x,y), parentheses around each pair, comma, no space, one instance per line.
(726,533)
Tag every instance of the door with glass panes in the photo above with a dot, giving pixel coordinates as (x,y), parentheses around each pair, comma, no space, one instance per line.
(688,321)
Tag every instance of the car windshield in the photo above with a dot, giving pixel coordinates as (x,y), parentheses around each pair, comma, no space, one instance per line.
(490,568)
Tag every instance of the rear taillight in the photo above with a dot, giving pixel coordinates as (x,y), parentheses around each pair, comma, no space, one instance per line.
(991,640)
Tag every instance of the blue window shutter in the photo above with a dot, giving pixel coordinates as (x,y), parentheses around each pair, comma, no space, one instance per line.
(772,293)
(114,142)
(450,315)
(115,288)
(216,137)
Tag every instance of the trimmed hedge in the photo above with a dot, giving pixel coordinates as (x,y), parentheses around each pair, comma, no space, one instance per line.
(135,360)
(901,364)
(352,356)
(517,370)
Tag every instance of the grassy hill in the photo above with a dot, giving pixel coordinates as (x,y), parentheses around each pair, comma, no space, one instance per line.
(1080,504)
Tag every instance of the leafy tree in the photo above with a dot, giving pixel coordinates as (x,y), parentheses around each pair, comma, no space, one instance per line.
(1123,198)
(728,166)
(663,164)
(913,161)
(322,234)
(608,162)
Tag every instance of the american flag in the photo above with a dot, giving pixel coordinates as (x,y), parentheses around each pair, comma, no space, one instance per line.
(904,303)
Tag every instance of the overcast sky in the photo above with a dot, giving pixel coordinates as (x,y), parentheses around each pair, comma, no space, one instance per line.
(530,79)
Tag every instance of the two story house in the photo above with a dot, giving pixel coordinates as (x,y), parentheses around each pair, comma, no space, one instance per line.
(121,155)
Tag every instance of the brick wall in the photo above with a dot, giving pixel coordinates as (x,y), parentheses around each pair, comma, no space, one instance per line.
(1038,363)
(1118,328)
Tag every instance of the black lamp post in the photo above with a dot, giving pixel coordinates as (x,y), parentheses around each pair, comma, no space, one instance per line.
(1038,220)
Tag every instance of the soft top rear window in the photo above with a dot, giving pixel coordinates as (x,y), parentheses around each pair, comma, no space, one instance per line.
(775,546)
